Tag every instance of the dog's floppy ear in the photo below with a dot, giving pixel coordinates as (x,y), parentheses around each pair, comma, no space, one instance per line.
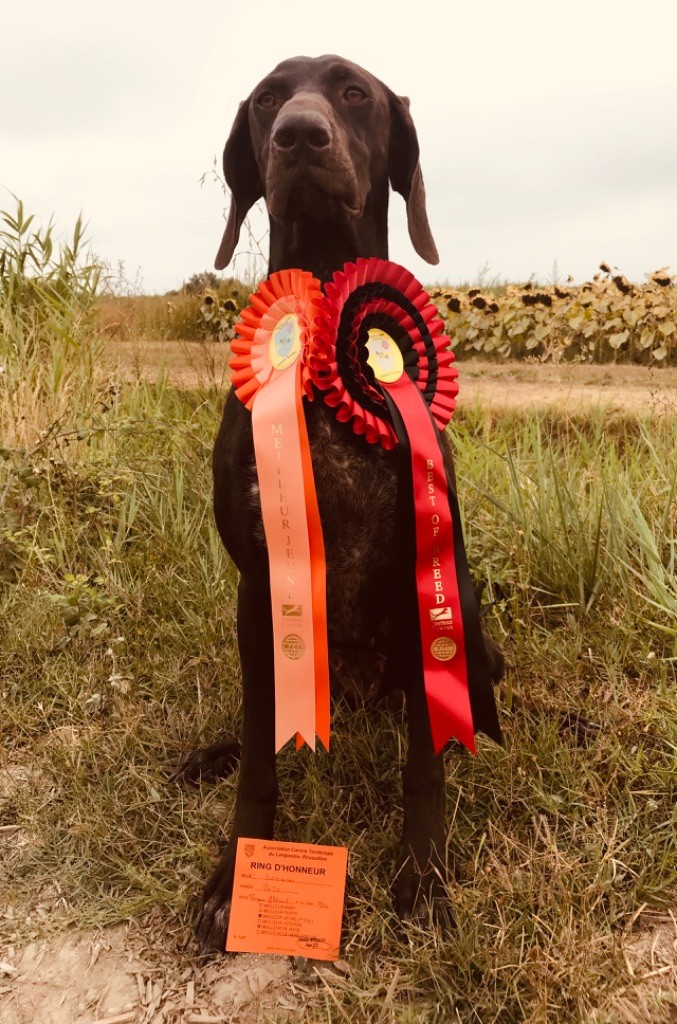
(404,171)
(244,180)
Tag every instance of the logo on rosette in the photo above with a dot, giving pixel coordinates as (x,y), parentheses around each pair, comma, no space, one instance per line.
(384,356)
(285,342)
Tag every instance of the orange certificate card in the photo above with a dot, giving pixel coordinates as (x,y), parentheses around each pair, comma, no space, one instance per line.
(288,899)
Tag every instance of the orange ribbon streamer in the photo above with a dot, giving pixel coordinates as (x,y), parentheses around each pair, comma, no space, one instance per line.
(268,371)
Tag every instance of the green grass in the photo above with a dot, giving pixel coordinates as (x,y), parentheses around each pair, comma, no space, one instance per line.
(117,654)
(117,641)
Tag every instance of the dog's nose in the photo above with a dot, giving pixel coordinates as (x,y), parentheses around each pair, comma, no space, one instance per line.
(301,130)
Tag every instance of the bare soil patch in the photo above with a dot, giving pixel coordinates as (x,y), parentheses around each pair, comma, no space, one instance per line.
(145,973)
(510,385)
(650,997)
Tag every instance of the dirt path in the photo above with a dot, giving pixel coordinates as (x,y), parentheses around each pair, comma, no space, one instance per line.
(146,973)
(513,385)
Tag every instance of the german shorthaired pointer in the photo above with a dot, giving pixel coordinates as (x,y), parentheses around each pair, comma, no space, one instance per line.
(321,140)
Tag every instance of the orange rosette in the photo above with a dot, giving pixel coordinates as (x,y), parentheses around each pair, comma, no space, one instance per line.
(269,372)
(284,307)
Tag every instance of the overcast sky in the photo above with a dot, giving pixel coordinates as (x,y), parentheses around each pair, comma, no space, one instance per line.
(548,132)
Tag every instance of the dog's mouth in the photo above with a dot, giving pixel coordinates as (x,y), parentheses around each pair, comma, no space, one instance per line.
(314,192)
(313,201)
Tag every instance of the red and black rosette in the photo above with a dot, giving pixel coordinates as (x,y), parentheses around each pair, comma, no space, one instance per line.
(380,358)
(369,296)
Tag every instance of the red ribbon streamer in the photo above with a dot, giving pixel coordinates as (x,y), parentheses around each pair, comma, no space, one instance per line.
(445,668)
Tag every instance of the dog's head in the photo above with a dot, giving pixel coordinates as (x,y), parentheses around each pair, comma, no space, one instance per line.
(319,139)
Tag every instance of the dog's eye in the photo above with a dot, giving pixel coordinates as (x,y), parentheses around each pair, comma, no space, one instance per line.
(354,94)
(266,99)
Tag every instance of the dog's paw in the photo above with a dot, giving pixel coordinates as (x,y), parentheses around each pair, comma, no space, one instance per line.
(211,925)
(208,764)
(421,897)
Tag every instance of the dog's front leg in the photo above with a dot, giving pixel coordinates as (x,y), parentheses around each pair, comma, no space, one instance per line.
(256,798)
(420,884)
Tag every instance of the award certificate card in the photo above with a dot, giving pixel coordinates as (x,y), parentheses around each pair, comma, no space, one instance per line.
(287,899)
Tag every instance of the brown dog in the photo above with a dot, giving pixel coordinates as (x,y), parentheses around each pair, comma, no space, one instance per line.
(321,140)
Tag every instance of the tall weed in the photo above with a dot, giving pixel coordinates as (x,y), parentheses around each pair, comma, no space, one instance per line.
(48,350)
(579,511)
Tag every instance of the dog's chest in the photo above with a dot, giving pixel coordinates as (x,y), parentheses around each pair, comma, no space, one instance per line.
(356,487)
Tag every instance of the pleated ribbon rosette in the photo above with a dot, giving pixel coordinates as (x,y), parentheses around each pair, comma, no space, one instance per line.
(269,372)
(381,359)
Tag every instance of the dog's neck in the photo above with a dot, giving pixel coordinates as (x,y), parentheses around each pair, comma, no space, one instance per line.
(323,247)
